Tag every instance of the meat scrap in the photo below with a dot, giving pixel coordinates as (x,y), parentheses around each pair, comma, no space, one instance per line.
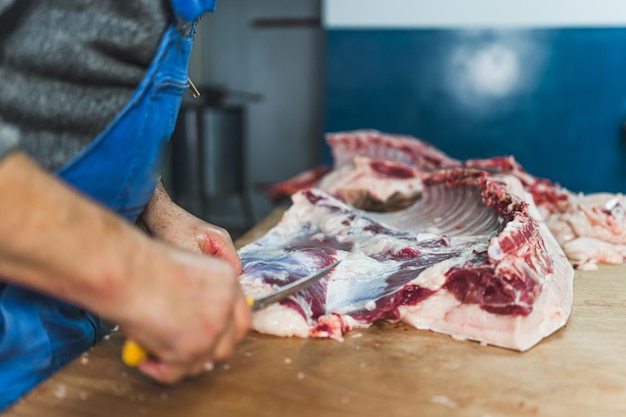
(477,263)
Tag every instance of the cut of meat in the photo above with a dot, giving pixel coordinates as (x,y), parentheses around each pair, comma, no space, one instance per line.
(476,263)
(379,172)
(475,249)
(374,185)
(591,228)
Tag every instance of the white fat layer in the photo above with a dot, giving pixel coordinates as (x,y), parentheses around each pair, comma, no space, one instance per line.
(588,249)
(434,277)
(255,287)
(280,321)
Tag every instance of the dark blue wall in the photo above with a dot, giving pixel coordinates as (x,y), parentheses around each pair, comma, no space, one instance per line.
(562,117)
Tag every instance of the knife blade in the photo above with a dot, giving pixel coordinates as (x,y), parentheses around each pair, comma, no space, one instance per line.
(133,354)
(289,289)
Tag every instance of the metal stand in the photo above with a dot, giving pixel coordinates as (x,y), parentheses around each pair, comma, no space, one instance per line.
(208,160)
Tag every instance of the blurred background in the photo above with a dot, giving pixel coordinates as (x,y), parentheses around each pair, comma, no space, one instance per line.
(543,80)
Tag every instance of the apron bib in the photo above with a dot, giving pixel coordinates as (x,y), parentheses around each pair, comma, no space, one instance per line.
(39,334)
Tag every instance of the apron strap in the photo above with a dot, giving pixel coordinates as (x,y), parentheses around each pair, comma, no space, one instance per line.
(191,10)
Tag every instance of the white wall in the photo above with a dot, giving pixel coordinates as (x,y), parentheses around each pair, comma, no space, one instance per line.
(282,64)
(473,13)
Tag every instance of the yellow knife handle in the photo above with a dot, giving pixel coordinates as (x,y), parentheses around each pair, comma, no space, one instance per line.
(133,354)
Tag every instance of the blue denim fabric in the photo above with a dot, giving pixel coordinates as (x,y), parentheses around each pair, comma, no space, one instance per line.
(191,10)
(39,334)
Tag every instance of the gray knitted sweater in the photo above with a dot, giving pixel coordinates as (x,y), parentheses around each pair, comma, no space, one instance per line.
(67,67)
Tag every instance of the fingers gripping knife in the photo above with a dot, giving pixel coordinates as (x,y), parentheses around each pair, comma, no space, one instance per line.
(133,354)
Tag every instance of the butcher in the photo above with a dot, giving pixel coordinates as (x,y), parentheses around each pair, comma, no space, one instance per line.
(89,93)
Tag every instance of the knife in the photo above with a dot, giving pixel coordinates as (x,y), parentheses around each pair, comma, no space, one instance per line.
(289,289)
(133,354)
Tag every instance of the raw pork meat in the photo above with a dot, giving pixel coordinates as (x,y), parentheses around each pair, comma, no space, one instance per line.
(470,259)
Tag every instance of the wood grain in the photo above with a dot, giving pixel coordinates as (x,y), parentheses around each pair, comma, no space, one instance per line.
(386,370)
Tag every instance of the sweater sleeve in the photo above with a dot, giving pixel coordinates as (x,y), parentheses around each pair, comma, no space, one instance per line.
(9,139)
(9,136)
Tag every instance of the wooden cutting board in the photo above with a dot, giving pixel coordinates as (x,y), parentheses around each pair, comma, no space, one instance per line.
(386,370)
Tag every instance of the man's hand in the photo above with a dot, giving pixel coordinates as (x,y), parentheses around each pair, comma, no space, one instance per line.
(185,308)
(188,322)
(170,223)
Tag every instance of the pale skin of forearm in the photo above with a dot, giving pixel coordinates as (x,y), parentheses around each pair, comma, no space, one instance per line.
(185,308)
(47,228)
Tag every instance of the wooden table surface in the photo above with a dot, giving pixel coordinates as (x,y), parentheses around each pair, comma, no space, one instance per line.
(386,370)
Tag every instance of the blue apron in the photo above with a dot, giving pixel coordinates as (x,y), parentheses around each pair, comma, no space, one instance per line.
(39,334)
